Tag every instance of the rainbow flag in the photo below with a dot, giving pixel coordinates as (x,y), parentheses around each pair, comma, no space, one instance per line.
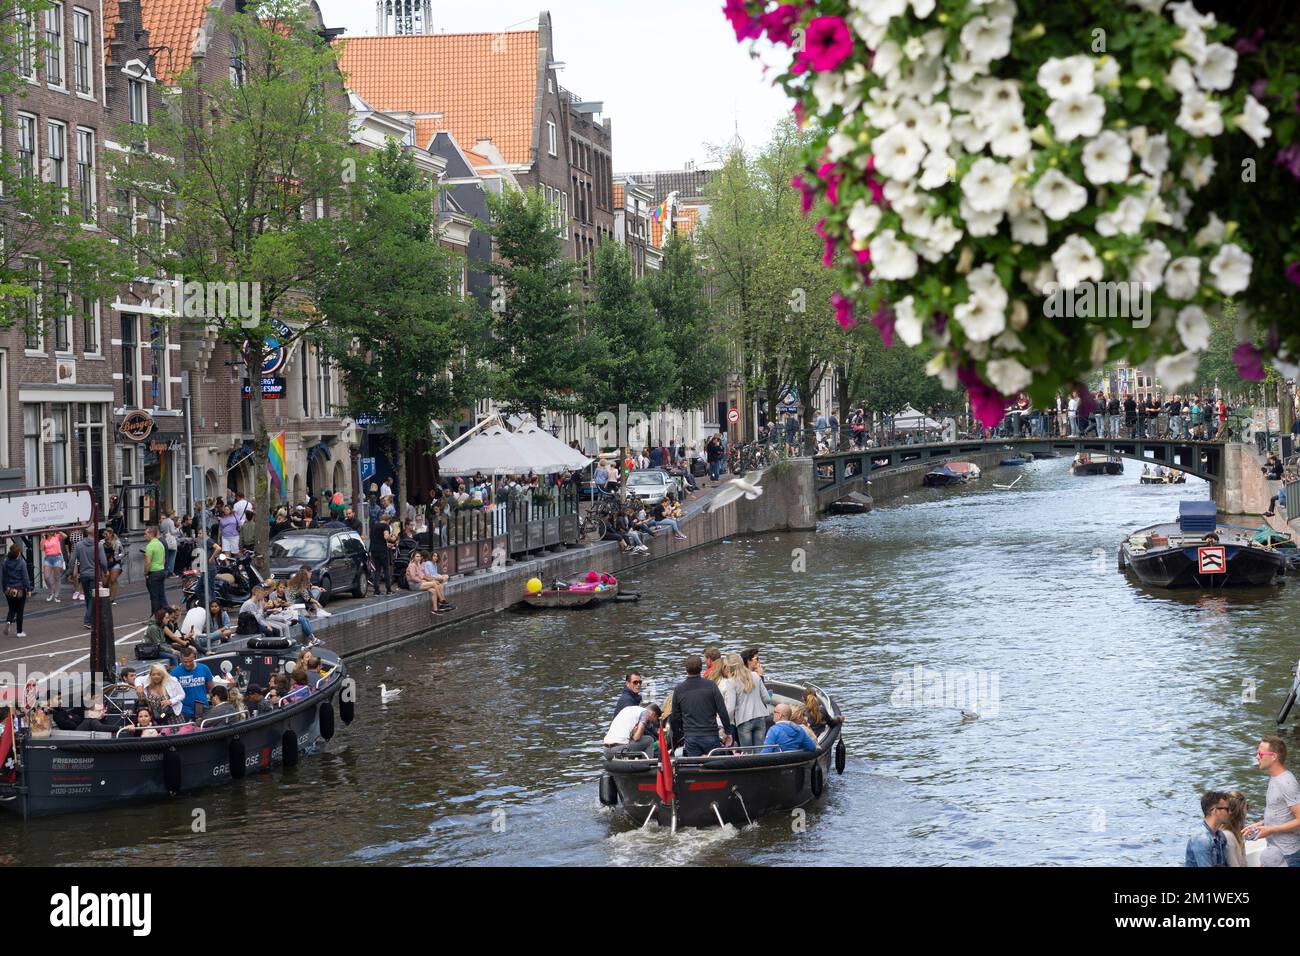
(275,464)
(660,211)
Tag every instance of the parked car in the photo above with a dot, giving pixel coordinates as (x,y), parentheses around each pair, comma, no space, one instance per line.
(337,559)
(652,485)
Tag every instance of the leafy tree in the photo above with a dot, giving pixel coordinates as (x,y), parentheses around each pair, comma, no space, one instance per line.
(885,379)
(537,348)
(405,342)
(677,293)
(243,165)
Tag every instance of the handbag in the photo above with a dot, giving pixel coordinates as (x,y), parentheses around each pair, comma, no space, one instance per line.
(148,652)
(14,593)
(169,541)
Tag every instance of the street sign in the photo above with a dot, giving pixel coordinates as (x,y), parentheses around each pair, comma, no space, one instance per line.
(367,469)
(733,416)
(1212,560)
(20,514)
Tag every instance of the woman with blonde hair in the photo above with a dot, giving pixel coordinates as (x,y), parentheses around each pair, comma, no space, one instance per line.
(1237,810)
(157,696)
(747,702)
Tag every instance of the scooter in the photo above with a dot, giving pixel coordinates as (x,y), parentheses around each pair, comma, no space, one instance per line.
(230,595)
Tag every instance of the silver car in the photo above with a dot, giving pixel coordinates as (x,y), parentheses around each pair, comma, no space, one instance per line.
(651,485)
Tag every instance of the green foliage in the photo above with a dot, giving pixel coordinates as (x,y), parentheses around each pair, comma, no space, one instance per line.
(677,293)
(538,349)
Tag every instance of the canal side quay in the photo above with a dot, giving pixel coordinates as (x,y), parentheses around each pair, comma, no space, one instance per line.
(790,502)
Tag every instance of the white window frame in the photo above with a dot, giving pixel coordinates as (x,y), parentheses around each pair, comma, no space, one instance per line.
(27,47)
(131,400)
(29,128)
(83,45)
(552,142)
(63,315)
(55,53)
(133,86)
(34,478)
(90,215)
(34,275)
(58,174)
(564,201)
(91,320)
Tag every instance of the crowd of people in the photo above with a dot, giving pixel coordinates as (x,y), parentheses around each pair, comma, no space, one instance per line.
(1188,417)
(723,707)
(1222,838)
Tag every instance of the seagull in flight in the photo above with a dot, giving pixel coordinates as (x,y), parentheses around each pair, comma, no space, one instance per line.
(736,489)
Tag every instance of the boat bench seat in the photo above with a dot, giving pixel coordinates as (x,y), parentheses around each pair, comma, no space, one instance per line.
(80,734)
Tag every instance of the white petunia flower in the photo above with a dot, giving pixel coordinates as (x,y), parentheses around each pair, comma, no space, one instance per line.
(1175,371)
(898,153)
(1149,266)
(1077,116)
(1058,196)
(1212,233)
(985,283)
(839,146)
(1008,341)
(1216,70)
(1193,329)
(1076,261)
(1106,158)
(987,186)
(1154,155)
(1200,115)
(969,133)
(1107,73)
(1067,77)
(879,12)
(1010,138)
(922,8)
(1126,219)
(1008,376)
(965,69)
(939,368)
(1182,278)
(1192,44)
(969,97)
(1040,279)
(914,48)
(980,318)
(891,258)
(1150,6)
(944,235)
(1187,16)
(1253,121)
(1181,77)
(871,34)
(889,56)
(1231,269)
(1029,227)
(864,219)
(999,100)
(937,169)
(985,39)
(978,223)
(1198,171)
(907,326)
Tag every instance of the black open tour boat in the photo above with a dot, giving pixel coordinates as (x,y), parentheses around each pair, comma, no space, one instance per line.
(1094,464)
(1198,551)
(732,784)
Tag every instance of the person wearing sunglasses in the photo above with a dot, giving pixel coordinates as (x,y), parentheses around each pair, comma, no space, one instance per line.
(1207,846)
(1281,823)
(631,696)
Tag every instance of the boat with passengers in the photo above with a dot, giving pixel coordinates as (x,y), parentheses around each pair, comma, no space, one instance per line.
(729,785)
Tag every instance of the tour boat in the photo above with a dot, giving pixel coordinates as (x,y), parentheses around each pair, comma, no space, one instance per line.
(1171,477)
(1198,551)
(1097,464)
(730,785)
(73,771)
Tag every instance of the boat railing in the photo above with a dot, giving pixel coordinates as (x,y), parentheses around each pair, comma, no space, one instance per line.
(743,751)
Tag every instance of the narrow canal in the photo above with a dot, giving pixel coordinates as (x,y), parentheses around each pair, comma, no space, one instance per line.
(1106,708)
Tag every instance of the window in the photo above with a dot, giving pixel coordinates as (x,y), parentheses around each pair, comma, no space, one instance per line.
(130,362)
(81,50)
(158,390)
(323,394)
(61,303)
(35,341)
(236,61)
(32,445)
(86,173)
(58,415)
(57,157)
(90,325)
(27,153)
(564,209)
(54,45)
(138,101)
(550,137)
(90,448)
(306,381)
(26,37)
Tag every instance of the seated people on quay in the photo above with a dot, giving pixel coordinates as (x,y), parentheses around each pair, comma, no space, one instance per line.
(663,518)
(299,590)
(787,735)
(254,607)
(698,711)
(157,644)
(196,680)
(634,729)
(418,579)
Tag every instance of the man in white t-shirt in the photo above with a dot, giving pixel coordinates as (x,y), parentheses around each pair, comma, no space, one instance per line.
(1281,824)
(634,728)
(386,490)
(240,508)
(1074,415)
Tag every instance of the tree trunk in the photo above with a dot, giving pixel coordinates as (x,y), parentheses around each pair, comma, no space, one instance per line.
(403,493)
(261,447)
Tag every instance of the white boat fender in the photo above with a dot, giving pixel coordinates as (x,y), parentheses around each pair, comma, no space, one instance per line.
(289,748)
(608,791)
(325,720)
(172,770)
(841,756)
(238,754)
(818,780)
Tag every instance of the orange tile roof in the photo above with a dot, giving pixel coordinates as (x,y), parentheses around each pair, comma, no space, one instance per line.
(483,84)
(173,25)
(475,159)
(686,218)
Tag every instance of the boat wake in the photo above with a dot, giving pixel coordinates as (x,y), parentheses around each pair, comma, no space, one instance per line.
(659,846)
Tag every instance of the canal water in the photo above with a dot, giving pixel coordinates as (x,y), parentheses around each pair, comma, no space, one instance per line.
(1104,709)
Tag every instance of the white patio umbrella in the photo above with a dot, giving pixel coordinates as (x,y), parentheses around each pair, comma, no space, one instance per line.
(549,445)
(496,451)
(910,420)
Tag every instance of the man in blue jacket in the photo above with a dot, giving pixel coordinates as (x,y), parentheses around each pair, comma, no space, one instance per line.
(1207,846)
(631,696)
(787,735)
(698,712)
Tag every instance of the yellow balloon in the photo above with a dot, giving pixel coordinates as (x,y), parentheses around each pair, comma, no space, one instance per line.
(534,585)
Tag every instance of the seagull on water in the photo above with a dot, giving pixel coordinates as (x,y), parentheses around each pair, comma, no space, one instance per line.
(388,696)
(737,488)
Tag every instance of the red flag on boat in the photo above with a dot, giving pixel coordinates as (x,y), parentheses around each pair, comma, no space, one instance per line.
(664,778)
(6,746)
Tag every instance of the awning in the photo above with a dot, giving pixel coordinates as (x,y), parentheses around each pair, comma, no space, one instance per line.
(498,452)
(239,456)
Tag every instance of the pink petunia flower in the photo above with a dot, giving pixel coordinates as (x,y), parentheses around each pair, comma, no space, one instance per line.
(884,321)
(1289,159)
(746,24)
(828,44)
(809,193)
(843,311)
(832,180)
(1249,361)
(1292,272)
(780,23)
(987,404)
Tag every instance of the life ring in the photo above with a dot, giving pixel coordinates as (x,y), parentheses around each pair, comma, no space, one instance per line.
(347,707)
(608,791)
(289,749)
(172,770)
(841,755)
(818,780)
(1286,708)
(238,754)
(325,720)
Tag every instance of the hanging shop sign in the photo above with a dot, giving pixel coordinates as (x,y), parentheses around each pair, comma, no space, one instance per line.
(276,354)
(137,425)
(272,387)
(163,442)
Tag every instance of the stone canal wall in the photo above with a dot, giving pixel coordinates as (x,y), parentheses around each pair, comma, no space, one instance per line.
(883,487)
